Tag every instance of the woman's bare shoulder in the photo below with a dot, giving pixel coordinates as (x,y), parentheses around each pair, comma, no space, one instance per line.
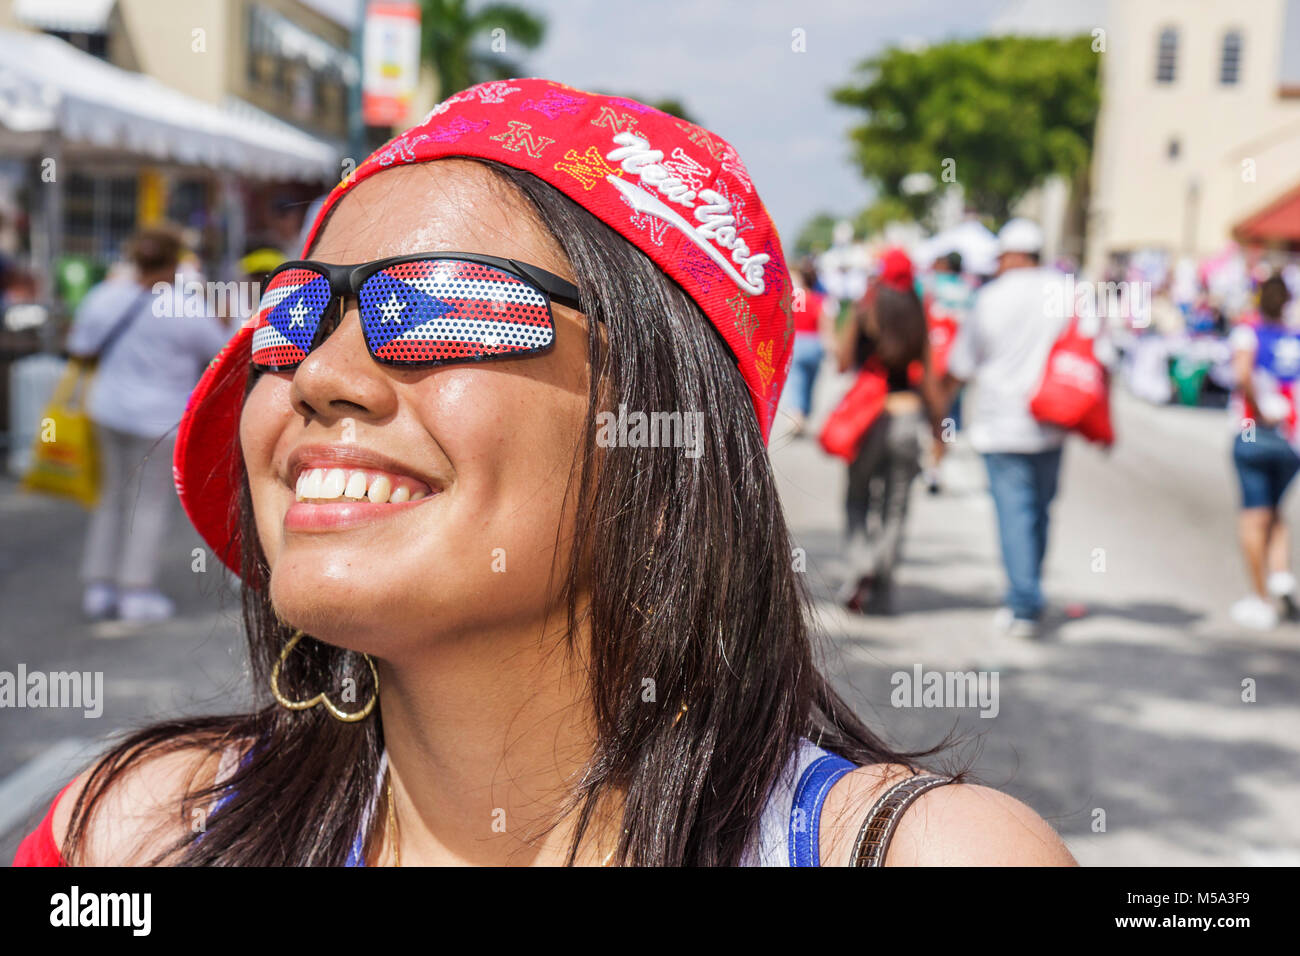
(958,824)
(142,811)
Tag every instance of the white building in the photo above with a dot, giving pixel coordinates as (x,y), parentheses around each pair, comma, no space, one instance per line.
(1198,139)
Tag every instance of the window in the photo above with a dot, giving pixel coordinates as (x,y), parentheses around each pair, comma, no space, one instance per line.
(1230,59)
(1167,55)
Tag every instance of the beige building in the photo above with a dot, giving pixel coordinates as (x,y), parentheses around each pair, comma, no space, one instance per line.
(226,116)
(281,56)
(1198,139)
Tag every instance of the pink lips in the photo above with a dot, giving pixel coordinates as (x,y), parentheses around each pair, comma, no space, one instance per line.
(341,486)
(341,515)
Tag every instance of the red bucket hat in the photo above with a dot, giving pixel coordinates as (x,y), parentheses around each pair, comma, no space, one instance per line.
(676,191)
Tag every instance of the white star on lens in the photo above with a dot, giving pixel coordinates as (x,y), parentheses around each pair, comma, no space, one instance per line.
(299,313)
(392,310)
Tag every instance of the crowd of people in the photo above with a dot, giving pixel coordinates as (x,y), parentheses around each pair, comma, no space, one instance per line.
(934,333)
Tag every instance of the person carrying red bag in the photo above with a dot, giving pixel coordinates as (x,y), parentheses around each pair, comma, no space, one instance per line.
(1002,350)
(878,427)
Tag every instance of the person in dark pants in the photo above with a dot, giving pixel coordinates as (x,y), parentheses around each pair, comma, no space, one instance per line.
(889,325)
(1002,351)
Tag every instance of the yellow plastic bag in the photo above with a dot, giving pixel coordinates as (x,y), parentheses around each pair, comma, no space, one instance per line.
(64,458)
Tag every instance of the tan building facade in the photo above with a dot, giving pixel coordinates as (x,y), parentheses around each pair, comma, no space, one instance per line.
(1199,128)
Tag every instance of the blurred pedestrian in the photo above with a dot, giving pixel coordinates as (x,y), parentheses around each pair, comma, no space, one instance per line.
(948,299)
(1002,351)
(888,325)
(149,358)
(1266,362)
(814,327)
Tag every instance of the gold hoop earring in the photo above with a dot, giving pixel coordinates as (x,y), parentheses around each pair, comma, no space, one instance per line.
(320,698)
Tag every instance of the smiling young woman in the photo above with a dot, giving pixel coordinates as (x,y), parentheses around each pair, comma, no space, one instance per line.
(482,637)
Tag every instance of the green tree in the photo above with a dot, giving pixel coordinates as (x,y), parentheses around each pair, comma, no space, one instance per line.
(816,235)
(462,48)
(997,115)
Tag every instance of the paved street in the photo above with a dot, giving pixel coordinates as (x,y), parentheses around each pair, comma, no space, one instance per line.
(1133,708)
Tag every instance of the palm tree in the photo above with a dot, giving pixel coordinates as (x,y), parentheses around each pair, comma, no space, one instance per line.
(450,33)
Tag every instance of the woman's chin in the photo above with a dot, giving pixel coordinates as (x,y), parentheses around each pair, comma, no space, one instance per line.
(335,610)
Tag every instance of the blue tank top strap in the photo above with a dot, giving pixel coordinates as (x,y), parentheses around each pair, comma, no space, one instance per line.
(357,855)
(224,772)
(806,809)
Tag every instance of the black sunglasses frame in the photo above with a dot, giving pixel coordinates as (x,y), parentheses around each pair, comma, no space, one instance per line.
(346,281)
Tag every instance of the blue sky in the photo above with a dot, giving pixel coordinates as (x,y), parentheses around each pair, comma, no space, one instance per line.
(731,63)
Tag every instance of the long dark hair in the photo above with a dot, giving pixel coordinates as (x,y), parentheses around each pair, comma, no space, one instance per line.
(901,335)
(692,584)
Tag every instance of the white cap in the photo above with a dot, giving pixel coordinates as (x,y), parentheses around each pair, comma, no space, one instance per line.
(1020,235)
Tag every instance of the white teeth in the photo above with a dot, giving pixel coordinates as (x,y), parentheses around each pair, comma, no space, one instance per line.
(380,489)
(356,487)
(333,484)
(323,484)
(311,486)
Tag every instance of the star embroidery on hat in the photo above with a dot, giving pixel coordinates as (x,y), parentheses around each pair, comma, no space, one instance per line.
(633,105)
(687,169)
(743,222)
(494,92)
(458,127)
(400,149)
(699,267)
(746,322)
(554,104)
(766,367)
(519,137)
(732,163)
(775,274)
(644,221)
(617,122)
(392,310)
(701,137)
(786,305)
(587,168)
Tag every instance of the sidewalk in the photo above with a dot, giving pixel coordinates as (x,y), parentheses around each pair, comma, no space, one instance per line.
(1135,708)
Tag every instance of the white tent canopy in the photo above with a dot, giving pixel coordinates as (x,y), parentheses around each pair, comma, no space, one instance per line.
(48,87)
(978,247)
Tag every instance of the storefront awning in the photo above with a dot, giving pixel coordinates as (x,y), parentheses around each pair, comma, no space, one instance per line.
(48,87)
(68,16)
(1279,221)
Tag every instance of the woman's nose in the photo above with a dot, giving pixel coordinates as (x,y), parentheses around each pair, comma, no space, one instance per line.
(339,378)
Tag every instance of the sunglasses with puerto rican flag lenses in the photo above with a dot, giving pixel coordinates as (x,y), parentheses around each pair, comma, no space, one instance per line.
(416,310)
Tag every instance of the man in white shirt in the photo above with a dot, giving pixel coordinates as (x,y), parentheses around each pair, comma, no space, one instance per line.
(1002,350)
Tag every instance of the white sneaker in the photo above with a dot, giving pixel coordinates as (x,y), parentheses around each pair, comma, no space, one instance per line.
(1006,623)
(1255,613)
(1281,584)
(145,606)
(99,601)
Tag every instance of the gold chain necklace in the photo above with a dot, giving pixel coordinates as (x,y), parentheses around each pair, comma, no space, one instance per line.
(394,836)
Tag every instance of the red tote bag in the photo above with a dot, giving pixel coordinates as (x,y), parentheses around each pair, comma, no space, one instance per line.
(856,413)
(1075,390)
